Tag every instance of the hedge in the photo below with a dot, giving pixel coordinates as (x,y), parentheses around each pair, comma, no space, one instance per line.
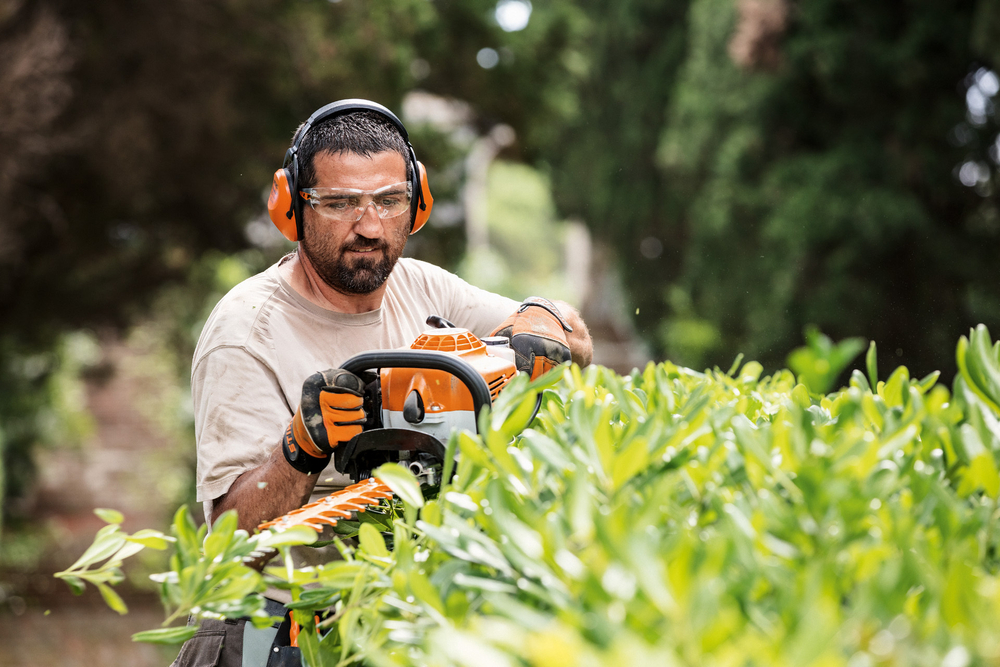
(667,517)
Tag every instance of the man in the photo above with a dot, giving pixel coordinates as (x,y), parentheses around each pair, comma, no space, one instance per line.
(266,420)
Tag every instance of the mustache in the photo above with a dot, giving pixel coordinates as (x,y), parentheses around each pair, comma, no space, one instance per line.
(362,243)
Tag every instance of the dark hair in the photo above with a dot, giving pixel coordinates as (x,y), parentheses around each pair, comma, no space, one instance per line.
(361,132)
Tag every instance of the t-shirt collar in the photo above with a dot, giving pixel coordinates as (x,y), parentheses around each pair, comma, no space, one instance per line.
(350,319)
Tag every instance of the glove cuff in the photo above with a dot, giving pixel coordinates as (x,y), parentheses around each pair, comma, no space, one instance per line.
(547,305)
(295,454)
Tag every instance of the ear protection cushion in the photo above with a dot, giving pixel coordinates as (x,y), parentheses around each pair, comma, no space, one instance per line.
(426,202)
(279,205)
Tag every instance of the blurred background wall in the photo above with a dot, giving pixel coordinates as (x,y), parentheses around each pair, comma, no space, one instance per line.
(701,177)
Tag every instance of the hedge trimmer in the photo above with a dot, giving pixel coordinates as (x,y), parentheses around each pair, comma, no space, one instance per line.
(414,399)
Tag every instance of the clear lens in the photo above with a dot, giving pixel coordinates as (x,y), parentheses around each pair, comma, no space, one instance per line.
(348,204)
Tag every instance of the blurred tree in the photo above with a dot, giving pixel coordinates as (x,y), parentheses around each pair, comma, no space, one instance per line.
(135,137)
(818,145)
(603,157)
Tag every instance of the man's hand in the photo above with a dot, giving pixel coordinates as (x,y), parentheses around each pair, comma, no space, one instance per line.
(537,333)
(329,413)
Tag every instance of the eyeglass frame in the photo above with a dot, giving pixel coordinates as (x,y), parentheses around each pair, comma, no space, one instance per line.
(313,195)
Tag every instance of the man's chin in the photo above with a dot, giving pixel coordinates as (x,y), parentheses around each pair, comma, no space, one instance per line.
(361,277)
(364,283)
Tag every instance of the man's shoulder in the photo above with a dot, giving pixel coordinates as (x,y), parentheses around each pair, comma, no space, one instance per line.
(238,312)
(409,271)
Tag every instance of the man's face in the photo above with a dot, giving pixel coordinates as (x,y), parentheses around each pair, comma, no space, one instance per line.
(356,257)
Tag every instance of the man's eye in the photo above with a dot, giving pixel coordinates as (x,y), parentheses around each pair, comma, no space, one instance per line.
(391,201)
(335,204)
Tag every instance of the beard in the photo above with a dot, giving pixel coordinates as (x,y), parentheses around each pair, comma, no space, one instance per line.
(360,275)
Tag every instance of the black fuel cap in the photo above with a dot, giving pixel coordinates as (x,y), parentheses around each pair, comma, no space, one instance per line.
(413,408)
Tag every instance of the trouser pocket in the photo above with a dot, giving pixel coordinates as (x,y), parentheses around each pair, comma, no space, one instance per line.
(216,644)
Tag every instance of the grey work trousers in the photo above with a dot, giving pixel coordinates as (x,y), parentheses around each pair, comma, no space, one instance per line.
(237,643)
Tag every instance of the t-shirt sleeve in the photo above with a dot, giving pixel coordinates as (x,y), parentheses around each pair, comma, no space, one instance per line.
(466,305)
(240,414)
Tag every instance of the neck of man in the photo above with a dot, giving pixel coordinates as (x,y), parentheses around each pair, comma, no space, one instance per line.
(300,274)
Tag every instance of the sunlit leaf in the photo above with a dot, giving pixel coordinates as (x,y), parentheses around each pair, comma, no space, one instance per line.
(109,516)
(112,599)
(402,482)
(153,539)
(177,635)
(372,542)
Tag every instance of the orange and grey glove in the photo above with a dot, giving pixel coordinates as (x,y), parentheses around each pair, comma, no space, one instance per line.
(329,413)
(537,333)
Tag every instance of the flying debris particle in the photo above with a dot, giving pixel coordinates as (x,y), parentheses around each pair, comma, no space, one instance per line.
(261,485)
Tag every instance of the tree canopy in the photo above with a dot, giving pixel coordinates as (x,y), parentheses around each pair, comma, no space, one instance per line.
(762,166)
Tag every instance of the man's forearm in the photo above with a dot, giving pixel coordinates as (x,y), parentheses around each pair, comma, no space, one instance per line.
(581,347)
(266,492)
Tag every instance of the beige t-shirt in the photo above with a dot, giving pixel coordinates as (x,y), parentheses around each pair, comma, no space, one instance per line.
(263,340)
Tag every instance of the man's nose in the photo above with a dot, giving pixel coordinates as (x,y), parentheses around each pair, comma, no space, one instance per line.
(369,224)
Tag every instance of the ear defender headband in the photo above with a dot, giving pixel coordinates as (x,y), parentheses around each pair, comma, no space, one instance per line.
(285,205)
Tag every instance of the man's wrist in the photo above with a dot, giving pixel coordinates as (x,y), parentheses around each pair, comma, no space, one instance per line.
(296,456)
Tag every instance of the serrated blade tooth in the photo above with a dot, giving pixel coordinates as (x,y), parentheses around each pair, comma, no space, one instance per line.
(328,510)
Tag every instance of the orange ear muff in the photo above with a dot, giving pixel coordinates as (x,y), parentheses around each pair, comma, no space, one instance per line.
(279,206)
(427,201)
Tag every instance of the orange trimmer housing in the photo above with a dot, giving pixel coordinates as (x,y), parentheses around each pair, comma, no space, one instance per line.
(441,391)
(419,397)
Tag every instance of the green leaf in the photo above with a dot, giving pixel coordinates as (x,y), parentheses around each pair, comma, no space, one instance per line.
(221,537)
(294,536)
(106,544)
(449,459)
(188,545)
(896,387)
(629,462)
(75,584)
(928,381)
(402,482)
(341,574)
(519,418)
(751,372)
(177,635)
(371,541)
(299,577)
(818,364)
(424,591)
(983,474)
(547,449)
(153,539)
(109,516)
(234,591)
(112,599)
(871,362)
(431,513)
(735,365)
(859,380)
(315,599)
(130,548)
(308,642)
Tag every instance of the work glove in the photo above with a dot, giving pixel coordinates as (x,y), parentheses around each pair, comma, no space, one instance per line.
(537,333)
(329,413)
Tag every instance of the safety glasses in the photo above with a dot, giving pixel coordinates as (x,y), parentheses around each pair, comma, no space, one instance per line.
(348,204)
